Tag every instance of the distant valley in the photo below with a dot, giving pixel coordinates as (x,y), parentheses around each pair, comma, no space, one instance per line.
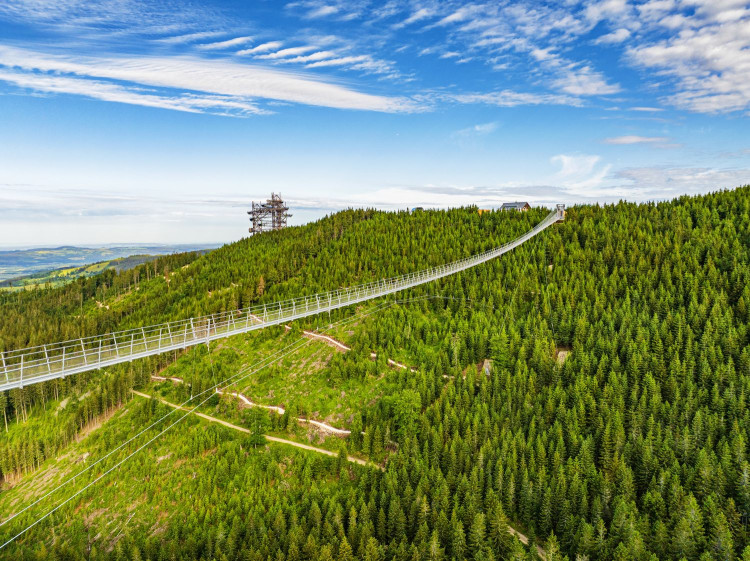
(59,265)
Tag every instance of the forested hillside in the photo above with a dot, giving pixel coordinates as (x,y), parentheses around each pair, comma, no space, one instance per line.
(612,424)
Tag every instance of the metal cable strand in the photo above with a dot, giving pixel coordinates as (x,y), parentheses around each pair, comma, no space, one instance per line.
(299,343)
(56,360)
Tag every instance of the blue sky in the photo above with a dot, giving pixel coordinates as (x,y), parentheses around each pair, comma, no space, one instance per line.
(159,121)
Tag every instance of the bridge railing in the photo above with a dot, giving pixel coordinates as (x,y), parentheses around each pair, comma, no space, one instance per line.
(56,360)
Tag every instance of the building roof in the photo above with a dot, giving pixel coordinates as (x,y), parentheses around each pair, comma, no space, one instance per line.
(516,205)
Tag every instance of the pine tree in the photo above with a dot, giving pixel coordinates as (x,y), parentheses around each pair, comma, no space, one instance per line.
(477,536)
(345,551)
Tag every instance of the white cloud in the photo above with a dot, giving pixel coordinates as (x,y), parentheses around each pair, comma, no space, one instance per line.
(262,48)
(174,22)
(481,129)
(708,56)
(668,182)
(634,139)
(363,63)
(419,15)
(106,91)
(574,166)
(585,81)
(292,51)
(190,74)
(343,10)
(322,11)
(543,54)
(579,174)
(617,36)
(462,14)
(190,37)
(509,98)
(341,61)
(225,44)
(604,9)
(313,57)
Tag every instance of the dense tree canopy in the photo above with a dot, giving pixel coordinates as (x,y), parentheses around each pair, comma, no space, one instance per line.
(612,423)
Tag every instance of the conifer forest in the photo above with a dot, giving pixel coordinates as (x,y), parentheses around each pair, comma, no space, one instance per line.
(582,397)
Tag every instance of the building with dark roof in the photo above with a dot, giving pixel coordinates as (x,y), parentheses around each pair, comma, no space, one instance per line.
(520,206)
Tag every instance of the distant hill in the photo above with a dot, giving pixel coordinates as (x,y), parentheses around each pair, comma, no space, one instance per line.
(61,264)
(64,275)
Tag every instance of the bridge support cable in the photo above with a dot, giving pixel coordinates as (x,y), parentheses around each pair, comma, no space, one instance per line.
(31,365)
(186,405)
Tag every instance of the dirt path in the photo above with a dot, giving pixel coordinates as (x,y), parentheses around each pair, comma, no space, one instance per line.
(522,538)
(164,379)
(341,346)
(525,541)
(335,343)
(246,401)
(326,339)
(270,438)
(325,427)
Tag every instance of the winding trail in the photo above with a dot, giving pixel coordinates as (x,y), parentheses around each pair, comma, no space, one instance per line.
(246,401)
(525,541)
(325,427)
(166,378)
(321,425)
(522,538)
(344,347)
(227,424)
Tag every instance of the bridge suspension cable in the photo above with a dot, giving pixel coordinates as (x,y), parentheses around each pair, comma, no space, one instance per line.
(21,367)
(184,406)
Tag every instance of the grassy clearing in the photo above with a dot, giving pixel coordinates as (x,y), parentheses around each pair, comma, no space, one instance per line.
(316,381)
(140,499)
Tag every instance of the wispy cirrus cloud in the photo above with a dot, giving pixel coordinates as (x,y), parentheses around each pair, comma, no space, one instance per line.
(289,52)
(312,57)
(510,98)
(617,36)
(708,57)
(322,51)
(91,18)
(218,45)
(339,61)
(480,129)
(319,9)
(107,91)
(322,11)
(263,47)
(418,15)
(584,81)
(699,49)
(580,174)
(206,79)
(635,139)
(189,37)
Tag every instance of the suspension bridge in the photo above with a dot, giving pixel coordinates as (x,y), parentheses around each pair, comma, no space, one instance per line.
(31,365)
